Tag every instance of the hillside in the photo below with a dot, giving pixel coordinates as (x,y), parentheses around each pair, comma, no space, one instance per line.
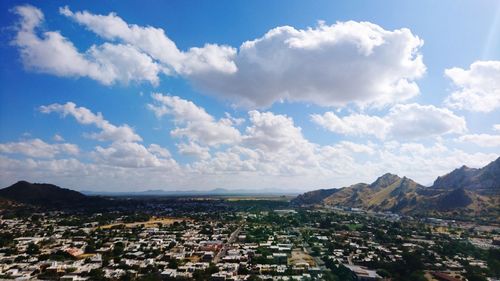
(486,179)
(313,197)
(388,193)
(457,198)
(464,191)
(47,195)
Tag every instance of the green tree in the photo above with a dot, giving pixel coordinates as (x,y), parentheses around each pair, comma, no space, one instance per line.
(32,249)
(173,264)
(97,275)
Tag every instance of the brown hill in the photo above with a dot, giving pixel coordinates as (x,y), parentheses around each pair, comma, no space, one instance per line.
(485,180)
(464,191)
(388,193)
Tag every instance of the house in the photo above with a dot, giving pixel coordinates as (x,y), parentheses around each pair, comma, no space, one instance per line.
(444,277)
(362,273)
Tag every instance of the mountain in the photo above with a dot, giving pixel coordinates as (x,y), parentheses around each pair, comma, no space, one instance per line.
(457,198)
(313,197)
(212,192)
(463,192)
(462,203)
(47,195)
(388,193)
(485,180)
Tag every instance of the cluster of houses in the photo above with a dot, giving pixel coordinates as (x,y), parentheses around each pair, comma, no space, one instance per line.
(183,250)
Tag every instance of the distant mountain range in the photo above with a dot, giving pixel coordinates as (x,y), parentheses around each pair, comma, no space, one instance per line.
(211,192)
(49,195)
(464,190)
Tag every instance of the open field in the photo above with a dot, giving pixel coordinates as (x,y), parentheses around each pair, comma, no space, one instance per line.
(299,257)
(257,198)
(150,223)
(84,256)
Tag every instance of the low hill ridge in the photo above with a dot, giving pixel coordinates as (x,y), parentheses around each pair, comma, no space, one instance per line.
(44,194)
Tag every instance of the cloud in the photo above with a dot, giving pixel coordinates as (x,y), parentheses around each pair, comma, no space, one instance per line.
(38,148)
(57,137)
(478,88)
(407,121)
(272,132)
(417,121)
(483,140)
(239,167)
(353,125)
(355,147)
(124,151)
(41,170)
(424,163)
(194,122)
(193,149)
(272,152)
(274,148)
(155,43)
(109,132)
(134,155)
(52,53)
(271,145)
(124,63)
(496,127)
(329,65)
(75,174)
(159,151)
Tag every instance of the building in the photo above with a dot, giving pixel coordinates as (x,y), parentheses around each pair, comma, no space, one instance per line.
(362,273)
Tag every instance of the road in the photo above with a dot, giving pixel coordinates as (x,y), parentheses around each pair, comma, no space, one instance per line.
(349,259)
(231,240)
(319,262)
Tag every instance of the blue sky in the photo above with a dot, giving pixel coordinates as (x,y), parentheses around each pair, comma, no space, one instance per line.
(124,95)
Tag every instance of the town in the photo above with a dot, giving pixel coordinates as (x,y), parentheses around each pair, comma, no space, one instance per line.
(225,240)
(250,140)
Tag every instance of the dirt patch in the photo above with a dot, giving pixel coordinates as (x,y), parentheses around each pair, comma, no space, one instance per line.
(299,257)
(153,222)
(84,256)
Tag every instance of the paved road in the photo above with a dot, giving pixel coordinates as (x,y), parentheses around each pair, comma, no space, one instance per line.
(349,259)
(231,240)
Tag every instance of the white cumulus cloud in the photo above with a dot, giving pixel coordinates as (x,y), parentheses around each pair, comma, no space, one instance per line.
(354,124)
(477,88)
(134,155)
(403,121)
(109,132)
(193,149)
(38,148)
(484,140)
(50,52)
(416,121)
(329,65)
(156,44)
(193,122)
